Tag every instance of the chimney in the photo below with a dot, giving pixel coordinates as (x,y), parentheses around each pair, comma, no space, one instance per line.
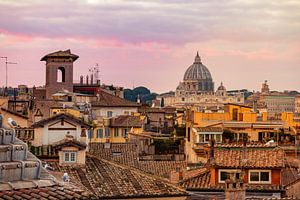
(176,176)
(87,79)
(81,80)
(98,82)
(234,187)
(255,105)
(212,152)
(92,81)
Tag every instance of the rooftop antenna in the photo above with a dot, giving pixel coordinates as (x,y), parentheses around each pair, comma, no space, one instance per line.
(95,72)
(7,63)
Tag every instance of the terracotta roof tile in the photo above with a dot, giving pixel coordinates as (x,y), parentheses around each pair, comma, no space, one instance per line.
(53,192)
(109,180)
(109,100)
(209,129)
(129,157)
(249,158)
(60,54)
(127,121)
(67,142)
(59,117)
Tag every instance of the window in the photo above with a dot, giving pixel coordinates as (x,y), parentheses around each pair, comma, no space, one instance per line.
(109,114)
(224,174)
(90,133)
(259,176)
(116,132)
(100,133)
(70,156)
(124,132)
(218,138)
(205,138)
(61,75)
(107,132)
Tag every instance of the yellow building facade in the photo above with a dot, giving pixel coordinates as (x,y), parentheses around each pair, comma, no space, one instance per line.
(116,130)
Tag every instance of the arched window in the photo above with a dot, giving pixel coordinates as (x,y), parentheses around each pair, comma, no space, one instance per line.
(61,75)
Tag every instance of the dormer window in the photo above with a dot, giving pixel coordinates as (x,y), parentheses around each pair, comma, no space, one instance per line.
(70,157)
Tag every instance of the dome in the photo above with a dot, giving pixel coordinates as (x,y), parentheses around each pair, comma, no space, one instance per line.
(197,71)
(221,87)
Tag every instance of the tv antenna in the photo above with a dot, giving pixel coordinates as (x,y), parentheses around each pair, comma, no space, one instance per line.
(95,71)
(7,63)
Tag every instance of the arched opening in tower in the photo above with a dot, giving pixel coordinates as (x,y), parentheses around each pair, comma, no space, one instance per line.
(61,75)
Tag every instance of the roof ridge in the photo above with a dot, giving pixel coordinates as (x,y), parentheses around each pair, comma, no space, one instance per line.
(197,175)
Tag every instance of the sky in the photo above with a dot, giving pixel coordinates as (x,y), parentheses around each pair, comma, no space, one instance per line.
(152,43)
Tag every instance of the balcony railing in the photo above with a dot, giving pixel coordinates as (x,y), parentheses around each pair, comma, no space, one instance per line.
(25,134)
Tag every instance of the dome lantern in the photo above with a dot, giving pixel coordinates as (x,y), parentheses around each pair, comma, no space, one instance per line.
(197,59)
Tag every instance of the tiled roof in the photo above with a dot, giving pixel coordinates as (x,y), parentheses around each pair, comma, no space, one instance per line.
(60,54)
(53,192)
(15,113)
(249,158)
(59,117)
(68,142)
(289,176)
(201,180)
(109,180)
(127,121)
(128,156)
(209,129)
(109,100)
(248,145)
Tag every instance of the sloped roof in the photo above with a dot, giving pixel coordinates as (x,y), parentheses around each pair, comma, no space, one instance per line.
(130,157)
(201,180)
(60,54)
(127,121)
(15,113)
(53,192)
(108,180)
(209,129)
(109,100)
(68,142)
(249,158)
(59,117)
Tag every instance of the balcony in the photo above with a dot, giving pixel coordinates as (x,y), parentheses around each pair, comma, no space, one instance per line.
(25,134)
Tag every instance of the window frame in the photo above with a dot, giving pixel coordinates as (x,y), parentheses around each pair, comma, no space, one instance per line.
(68,154)
(116,132)
(227,170)
(109,113)
(259,172)
(126,132)
(98,133)
(107,132)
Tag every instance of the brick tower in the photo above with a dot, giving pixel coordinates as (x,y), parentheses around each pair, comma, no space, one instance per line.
(59,71)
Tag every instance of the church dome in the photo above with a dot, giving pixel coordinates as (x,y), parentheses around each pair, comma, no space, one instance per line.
(197,71)
(221,87)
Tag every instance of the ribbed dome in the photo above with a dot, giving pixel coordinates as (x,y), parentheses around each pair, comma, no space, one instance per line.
(197,71)
(221,87)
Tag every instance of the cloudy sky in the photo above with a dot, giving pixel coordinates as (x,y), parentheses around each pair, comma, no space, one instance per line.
(152,43)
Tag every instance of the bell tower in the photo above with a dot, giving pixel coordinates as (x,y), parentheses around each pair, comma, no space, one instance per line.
(59,71)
